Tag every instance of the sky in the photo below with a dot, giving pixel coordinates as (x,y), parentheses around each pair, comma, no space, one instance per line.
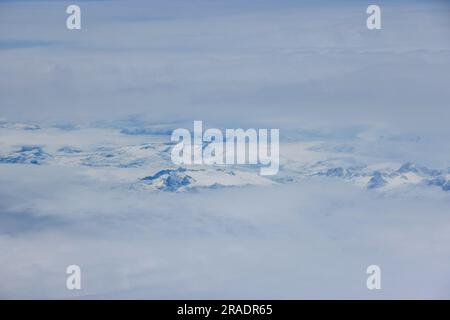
(281,63)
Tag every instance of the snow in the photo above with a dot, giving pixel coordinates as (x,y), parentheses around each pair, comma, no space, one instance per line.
(128,158)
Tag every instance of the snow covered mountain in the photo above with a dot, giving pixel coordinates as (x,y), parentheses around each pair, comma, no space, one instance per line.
(26,155)
(140,161)
(182,179)
(390,178)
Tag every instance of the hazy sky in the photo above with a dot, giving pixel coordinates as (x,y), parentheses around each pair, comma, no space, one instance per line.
(283,63)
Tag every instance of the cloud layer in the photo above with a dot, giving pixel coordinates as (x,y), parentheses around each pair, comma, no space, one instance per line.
(281,63)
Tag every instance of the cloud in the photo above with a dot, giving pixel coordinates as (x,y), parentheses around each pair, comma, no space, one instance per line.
(309,240)
(277,63)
